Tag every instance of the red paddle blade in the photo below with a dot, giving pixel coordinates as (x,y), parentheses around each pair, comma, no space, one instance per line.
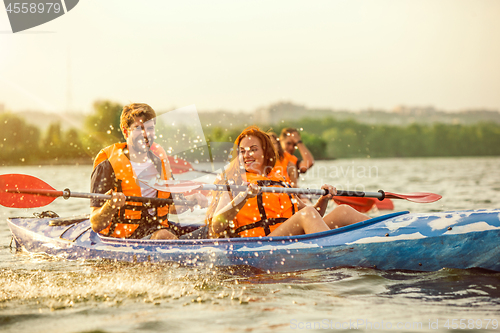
(420,197)
(361,204)
(385,204)
(178,165)
(23,191)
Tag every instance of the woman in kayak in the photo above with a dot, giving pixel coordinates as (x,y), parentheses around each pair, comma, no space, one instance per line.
(255,214)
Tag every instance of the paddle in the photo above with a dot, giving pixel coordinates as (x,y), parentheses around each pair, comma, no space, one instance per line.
(385,204)
(185,186)
(24,191)
(362,205)
(179,166)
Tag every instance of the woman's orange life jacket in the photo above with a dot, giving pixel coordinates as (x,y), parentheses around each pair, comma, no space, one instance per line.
(127,219)
(262,214)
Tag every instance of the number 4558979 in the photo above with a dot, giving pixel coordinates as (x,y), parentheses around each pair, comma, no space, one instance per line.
(32,8)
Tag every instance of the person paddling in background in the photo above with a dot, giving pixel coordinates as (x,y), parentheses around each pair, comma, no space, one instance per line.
(116,171)
(290,140)
(284,166)
(255,214)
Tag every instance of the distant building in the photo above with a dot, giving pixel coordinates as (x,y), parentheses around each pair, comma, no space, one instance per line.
(286,111)
(415,111)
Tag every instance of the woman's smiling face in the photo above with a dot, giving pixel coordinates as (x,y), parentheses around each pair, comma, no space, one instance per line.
(251,154)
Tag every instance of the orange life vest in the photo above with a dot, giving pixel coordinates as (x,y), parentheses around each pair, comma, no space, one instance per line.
(262,214)
(290,158)
(281,170)
(127,219)
(281,167)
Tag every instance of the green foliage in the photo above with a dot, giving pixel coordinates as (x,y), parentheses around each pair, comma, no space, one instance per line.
(18,140)
(52,145)
(330,138)
(218,134)
(21,143)
(316,145)
(73,145)
(327,138)
(102,127)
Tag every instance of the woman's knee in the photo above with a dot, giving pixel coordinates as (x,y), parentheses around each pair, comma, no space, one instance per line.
(345,214)
(345,210)
(309,212)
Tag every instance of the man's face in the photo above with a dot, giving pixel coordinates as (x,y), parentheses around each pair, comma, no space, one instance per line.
(141,135)
(288,143)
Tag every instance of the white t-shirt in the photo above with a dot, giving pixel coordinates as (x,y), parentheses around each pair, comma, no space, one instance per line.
(146,171)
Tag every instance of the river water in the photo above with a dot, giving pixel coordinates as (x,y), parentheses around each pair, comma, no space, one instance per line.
(41,294)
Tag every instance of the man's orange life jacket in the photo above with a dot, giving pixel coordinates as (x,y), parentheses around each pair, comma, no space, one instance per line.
(281,167)
(290,158)
(281,170)
(127,219)
(262,214)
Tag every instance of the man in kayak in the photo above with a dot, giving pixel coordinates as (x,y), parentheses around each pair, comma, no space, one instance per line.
(284,166)
(290,140)
(117,169)
(255,214)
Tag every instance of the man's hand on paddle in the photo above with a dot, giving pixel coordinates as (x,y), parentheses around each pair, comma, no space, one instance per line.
(200,199)
(100,216)
(117,200)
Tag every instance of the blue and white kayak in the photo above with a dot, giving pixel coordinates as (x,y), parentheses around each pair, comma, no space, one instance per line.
(400,241)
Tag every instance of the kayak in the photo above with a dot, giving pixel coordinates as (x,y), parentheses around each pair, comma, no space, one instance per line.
(397,241)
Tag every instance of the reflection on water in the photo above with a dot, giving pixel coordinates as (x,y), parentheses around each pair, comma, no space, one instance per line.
(40,293)
(134,296)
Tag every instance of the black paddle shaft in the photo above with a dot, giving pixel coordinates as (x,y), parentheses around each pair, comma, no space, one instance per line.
(379,195)
(341,193)
(146,201)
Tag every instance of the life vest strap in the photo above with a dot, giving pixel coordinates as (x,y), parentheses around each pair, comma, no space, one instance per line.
(261,224)
(264,222)
(260,204)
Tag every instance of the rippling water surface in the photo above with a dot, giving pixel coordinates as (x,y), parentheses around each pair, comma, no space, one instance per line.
(39,293)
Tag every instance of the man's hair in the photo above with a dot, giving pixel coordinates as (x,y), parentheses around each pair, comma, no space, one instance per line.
(287,132)
(134,110)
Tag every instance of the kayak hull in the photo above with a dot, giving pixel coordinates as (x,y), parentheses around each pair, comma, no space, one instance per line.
(397,241)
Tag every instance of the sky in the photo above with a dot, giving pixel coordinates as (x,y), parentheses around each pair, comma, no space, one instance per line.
(241,55)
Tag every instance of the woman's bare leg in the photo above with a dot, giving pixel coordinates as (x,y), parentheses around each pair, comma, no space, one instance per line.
(305,221)
(343,215)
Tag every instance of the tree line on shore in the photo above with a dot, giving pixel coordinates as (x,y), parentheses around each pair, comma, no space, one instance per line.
(328,138)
